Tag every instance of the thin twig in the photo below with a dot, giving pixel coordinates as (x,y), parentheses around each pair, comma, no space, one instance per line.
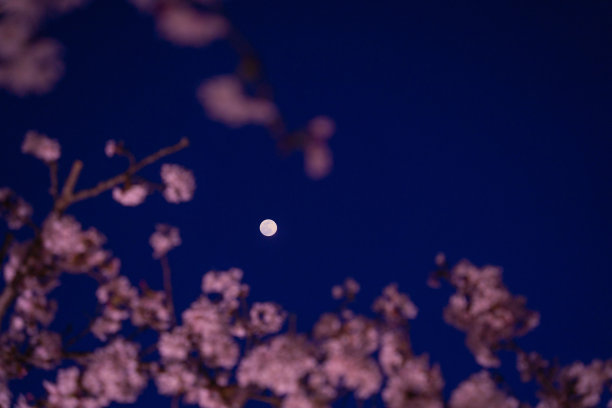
(64,199)
(120,178)
(53,178)
(168,286)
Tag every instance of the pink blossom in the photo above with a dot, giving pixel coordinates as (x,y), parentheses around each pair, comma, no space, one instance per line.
(328,325)
(348,289)
(113,373)
(14,35)
(278,365)
(321,127)
(486,311)
(227,284)
(266,318)
(479,391)
(577,385)
(150,310)
(175,378)
(209,325)
(62,235)
(318,160)
(116,296)
(132,196)
(22,402)
(33,305)
(359,374)
(40,146)
(414,385)
(15,261)
(63,392)
(224,100)
(47,349)
(109,322)
(164,239)
(395,306)
(206,397)
(179,183)
(394,351)
(110,148)
(299,400)
(77,251)
(184,25)
(34,70)
(14,208)
(174,345)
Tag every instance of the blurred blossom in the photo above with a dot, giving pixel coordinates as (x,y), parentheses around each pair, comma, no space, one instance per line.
(132,196)
(224,100)
(29,64)
(209,327)
(279,365)
(266,318)
(150,310)
(116,297)
(47,349)
(62,235)
(15,32)
(348,289)
(228,284)
(479,391)
(110,148)
(179,183)
(164,239)
(577,385)
(36,69)
(440,259)
(184,25)
(485,309)
(321,127)
(174,345)
(415,385)
(112,374)
(40,146)
(14,209)
(22,402)
(318,160)
(175,378)
(395,306)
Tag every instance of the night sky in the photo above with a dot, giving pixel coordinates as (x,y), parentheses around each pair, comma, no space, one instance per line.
(481,130)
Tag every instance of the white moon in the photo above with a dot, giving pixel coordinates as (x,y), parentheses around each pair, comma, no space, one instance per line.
(268,228)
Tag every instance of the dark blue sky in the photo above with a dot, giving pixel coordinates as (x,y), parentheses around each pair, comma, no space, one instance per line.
(483,131)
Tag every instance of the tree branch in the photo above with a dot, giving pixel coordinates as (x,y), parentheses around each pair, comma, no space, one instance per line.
(120,178)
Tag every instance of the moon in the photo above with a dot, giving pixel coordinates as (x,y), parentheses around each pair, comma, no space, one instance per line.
(268,228)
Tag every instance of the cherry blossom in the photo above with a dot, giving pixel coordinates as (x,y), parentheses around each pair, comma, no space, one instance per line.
(394,305)
(131,196)
(224,100)
(164,239)
(225,349)
(486,311)
(110,148)
(479,391)
(41,147)
(184,25)
(14,209)
(179,183)
(278,365)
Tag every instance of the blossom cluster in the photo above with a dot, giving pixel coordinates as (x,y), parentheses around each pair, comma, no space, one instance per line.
(224,350)
(30,64)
